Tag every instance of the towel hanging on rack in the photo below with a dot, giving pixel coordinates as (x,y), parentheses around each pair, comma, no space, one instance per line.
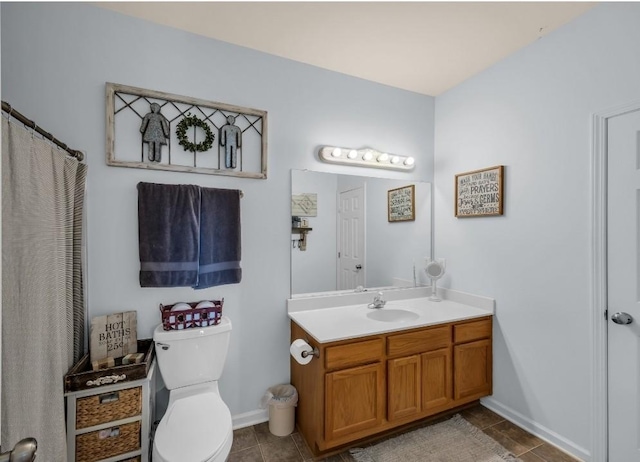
(168,234)
(219,238)
(188,236)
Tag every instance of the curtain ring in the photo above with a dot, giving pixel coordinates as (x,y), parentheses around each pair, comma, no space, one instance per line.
(10,112)
(33,128)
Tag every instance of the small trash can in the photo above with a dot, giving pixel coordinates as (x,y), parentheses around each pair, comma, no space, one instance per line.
(282,401)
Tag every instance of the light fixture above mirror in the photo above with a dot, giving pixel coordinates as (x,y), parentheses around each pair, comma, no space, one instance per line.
(366,157)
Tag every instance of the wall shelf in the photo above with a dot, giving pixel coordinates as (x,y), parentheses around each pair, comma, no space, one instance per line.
(302,241)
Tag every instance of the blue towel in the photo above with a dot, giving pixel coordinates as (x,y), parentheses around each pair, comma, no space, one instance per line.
(168,234)
(219,238)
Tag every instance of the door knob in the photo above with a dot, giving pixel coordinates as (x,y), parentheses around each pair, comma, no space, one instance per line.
(358,266)
(622,318)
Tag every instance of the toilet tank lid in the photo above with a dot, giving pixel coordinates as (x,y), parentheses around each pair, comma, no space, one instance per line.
(160,335)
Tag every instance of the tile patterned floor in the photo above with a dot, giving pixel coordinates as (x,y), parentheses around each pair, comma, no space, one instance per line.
(256,444)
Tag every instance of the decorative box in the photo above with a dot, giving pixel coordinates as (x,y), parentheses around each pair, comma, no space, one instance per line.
(82,377)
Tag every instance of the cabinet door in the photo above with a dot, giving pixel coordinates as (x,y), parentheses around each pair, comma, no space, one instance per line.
(472,370)
(403,387)
(354,400)
(436,374)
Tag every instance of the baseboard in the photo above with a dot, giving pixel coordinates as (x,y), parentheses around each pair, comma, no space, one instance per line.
(536,429)
(250,418)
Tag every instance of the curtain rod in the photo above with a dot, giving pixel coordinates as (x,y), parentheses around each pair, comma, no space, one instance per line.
(6,107)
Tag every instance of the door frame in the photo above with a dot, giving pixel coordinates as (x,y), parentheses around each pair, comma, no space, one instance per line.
(599,411)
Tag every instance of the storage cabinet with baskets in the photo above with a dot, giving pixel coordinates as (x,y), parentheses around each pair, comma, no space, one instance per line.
(112,422)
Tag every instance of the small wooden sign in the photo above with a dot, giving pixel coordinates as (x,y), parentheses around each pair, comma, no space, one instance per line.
(114,335)
(480,193)
(401,204)
(304,205)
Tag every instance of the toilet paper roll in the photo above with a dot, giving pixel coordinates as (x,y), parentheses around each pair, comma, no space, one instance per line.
(297,348)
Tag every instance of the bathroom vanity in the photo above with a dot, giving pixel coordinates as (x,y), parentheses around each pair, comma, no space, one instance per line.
(376,370)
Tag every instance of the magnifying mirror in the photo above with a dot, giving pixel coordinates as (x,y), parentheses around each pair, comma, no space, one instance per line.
(435,270)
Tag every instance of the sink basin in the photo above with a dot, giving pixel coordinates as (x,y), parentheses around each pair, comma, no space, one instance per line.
(391,315)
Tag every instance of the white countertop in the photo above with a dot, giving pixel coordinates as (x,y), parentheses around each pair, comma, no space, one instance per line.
(334,323)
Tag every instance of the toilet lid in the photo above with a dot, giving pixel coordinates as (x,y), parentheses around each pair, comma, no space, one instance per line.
(195,427)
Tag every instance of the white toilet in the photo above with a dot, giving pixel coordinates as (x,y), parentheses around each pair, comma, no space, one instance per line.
(197,425)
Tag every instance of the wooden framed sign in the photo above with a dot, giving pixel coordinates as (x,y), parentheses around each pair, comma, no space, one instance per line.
(401,204)
(480,193)
(114,335)
(162,131)
(304,205)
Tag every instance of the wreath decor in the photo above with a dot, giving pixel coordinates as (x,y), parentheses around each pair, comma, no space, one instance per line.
(181,132)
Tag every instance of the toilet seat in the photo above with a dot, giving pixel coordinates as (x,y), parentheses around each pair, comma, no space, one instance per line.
(195,428)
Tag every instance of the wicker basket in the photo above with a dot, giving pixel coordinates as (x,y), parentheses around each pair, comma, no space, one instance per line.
(109,442)
(108,407)
(195,317)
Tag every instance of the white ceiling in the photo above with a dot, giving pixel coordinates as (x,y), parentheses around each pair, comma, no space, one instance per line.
(425,47)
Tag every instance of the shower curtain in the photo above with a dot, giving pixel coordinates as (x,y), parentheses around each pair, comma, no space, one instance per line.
(42,287)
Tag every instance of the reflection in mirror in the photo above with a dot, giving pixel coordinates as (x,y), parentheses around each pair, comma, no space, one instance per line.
(349,240)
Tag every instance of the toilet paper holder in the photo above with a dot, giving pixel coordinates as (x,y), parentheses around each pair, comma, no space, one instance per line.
(315,352)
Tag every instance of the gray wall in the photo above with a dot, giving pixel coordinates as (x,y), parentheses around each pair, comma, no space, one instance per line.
(532,113)
(56,59)
(314,270)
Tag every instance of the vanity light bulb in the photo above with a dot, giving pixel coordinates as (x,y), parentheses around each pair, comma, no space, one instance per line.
(383,157)
(352,154)
(409,161)
(395,159)
(337,152)
(367,155)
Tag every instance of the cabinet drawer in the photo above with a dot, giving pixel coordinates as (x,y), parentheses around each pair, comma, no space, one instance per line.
(108,442)
(108,407)
(472,331)
(419,341)
(352,354)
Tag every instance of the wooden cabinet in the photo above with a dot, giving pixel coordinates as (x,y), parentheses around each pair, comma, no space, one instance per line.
(421,382)
(437,386)
(472,360)
(361,387)
(404,396)
(111,423)
(473,370)
(354,400)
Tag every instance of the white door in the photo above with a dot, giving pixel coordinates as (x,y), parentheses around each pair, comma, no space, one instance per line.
(623,286)
(351,239)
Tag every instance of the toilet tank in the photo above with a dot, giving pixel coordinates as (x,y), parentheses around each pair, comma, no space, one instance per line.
(192,356)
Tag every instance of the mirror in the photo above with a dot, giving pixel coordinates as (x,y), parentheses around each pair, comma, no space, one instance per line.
(344,234)
(435,270)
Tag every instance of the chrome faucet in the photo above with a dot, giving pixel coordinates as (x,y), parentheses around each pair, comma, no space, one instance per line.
(378,302)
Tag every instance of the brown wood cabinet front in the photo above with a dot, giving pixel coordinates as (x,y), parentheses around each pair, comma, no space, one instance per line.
(472,370)
(418,384)
(361,387)
(404,395)
(437,386)
(354,400)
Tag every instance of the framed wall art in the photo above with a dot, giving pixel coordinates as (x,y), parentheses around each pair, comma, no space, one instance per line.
(480,193)
(161,131)
(401,204)
(304,205)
